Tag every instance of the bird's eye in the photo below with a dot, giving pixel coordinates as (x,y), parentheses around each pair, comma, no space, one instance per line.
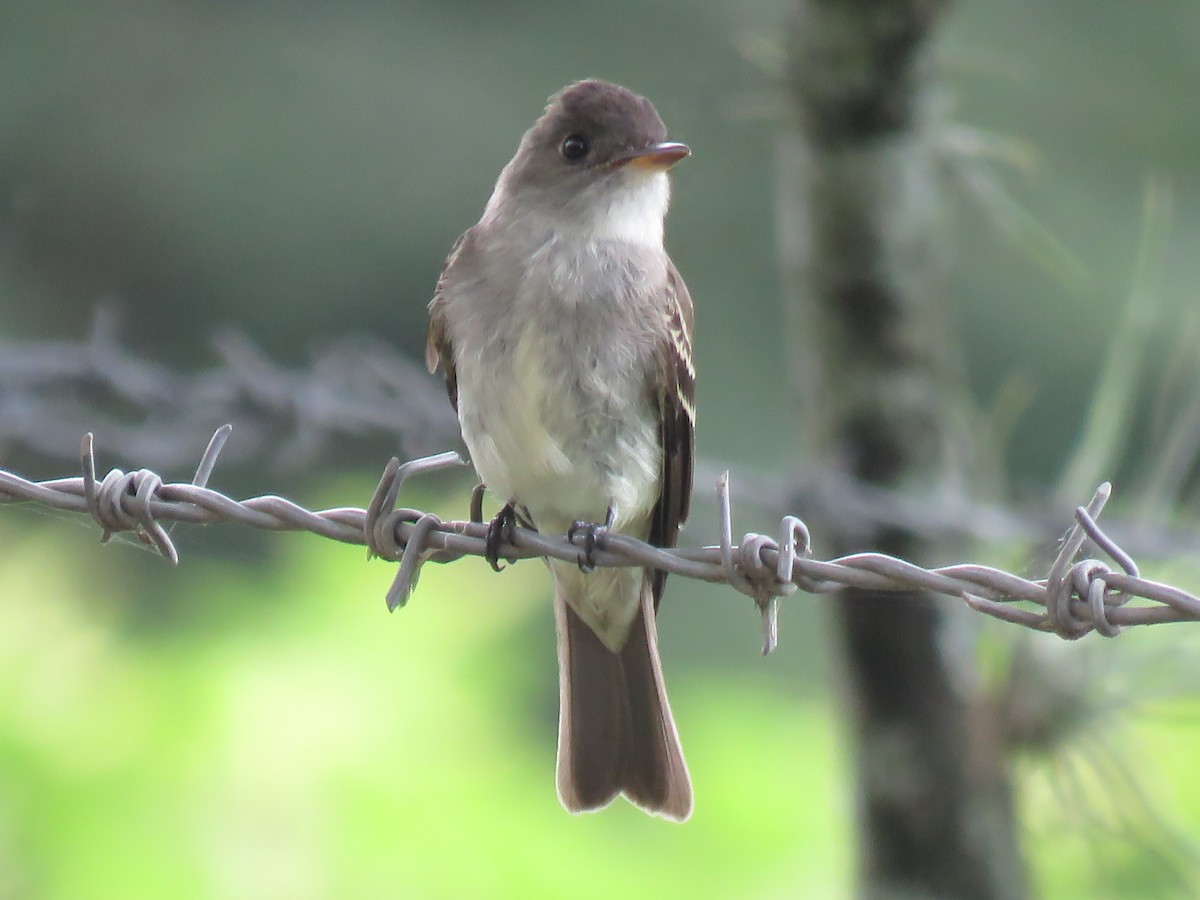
(575,147)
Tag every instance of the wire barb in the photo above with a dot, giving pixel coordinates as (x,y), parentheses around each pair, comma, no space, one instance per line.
(382,520)
(1076,597)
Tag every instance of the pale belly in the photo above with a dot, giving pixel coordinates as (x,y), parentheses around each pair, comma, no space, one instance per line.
(564,448)
(568,455)
(561,419)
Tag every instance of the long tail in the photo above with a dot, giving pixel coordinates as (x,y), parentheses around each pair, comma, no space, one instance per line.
(615,731)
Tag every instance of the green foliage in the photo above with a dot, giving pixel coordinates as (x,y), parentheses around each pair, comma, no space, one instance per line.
(306,744)
(283,736)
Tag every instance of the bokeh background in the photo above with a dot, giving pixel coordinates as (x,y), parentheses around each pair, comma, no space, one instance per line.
(254,724)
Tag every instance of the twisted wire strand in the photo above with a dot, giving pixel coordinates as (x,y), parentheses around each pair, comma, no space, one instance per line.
(361,387)
(1076,597)
(353,385)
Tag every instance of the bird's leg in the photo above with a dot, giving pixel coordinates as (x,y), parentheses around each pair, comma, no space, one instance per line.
(593,537)
(477,502)
(500,530)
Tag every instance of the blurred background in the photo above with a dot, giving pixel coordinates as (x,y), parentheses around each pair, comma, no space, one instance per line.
(269,181)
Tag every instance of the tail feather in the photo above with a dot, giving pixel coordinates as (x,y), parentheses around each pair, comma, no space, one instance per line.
(615,731)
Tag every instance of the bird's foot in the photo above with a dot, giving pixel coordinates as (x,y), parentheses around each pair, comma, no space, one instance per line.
(593,538)
(500,530)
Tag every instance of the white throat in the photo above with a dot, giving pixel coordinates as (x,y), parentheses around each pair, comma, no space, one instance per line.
(636,212)
(632,212)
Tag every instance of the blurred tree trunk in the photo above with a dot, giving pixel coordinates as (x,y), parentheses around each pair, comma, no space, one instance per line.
(859,206)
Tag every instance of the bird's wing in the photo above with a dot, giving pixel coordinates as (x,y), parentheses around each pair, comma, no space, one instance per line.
(438,349)
(676,392)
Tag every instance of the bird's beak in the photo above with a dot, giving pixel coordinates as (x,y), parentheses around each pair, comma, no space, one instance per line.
(655,158)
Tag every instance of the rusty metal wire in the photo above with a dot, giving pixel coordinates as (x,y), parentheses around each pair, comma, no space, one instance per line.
(1076,597)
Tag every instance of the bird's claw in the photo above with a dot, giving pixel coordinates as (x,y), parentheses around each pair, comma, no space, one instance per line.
(593,539)
(499,531)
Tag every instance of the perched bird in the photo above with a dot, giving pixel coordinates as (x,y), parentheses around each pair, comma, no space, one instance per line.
(564,333)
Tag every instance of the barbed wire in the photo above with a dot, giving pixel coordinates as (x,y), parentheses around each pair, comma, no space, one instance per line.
(50,390)
(1076,597)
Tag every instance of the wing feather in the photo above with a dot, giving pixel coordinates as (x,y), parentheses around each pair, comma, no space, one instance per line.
(439,352)
(676,395)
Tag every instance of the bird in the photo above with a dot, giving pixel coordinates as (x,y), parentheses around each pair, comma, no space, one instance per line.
(564,333)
